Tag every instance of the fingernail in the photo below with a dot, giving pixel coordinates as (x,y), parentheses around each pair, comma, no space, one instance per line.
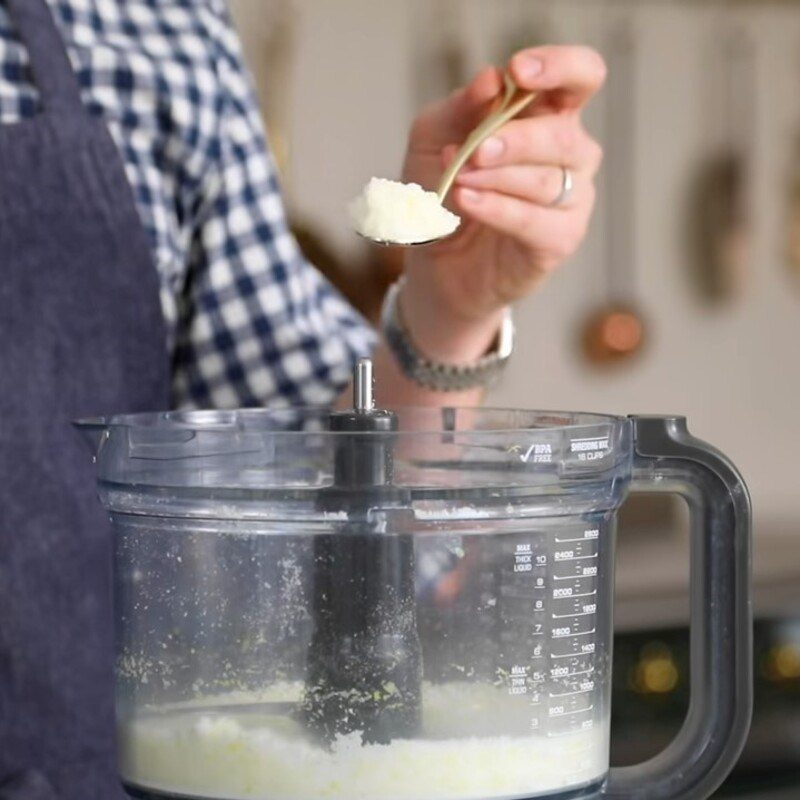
(470,196)
(530,67)
(492,149)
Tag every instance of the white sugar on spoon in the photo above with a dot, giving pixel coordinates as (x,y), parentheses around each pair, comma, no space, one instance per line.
(390,212)
(394,213)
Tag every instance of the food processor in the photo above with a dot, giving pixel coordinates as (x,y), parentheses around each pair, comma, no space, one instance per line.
(405,604)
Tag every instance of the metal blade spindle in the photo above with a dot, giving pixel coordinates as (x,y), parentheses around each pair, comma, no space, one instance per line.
(365,666)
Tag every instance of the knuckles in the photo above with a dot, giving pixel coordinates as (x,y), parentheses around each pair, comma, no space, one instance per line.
(567,136)
(595,154)
(585,61)
(423,124)
(565,239)
(575,146)
(566,247)
(598,65)
(591,199)
(549,181)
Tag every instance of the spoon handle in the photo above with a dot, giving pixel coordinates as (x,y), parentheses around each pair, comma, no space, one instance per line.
(513,103)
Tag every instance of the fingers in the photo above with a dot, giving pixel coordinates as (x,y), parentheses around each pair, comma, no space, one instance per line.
(551,235)
(467,106)
(568,77)
(536,184)
(482,89)
(451,119)
(574,74)
(552,139)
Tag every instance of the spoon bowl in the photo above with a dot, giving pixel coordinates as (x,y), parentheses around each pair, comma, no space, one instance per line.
(408,245)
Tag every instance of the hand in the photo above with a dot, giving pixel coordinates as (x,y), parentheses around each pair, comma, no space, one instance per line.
(510,237)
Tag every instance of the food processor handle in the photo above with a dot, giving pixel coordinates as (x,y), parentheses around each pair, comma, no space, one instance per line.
(668,459)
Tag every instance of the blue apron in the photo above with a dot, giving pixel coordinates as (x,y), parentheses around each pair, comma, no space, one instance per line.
(81,333)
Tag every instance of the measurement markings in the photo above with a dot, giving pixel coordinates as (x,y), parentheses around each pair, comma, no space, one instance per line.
(574,558)
(575,711)
(574,635)
(580,614)
(572,694)
(580,539)
(572,655)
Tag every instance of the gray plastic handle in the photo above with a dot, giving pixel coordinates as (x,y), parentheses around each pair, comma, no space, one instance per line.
(667,458)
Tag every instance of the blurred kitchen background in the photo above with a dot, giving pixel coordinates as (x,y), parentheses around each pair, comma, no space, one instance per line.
(685,299)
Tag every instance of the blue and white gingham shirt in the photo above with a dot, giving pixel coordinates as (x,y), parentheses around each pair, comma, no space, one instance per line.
(250,321)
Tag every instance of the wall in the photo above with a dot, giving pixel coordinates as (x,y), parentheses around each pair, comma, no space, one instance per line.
(735,371)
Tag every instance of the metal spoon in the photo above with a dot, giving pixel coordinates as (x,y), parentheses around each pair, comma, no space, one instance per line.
(514,102)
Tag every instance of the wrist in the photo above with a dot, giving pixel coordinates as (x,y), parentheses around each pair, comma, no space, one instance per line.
(441,333)
(433,373)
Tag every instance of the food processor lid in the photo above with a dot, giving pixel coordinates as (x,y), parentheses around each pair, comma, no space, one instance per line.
(265,463)
(293,420)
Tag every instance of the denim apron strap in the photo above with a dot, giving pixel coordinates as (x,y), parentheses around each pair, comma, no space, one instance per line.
(50,64)
(81,333)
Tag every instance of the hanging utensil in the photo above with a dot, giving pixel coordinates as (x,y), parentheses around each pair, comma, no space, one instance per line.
(793,222)
(526,26)
(793,243)
(719,213)
(616,331)
(440,54)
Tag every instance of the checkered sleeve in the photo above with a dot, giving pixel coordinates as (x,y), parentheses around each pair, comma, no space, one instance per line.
(257,323)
